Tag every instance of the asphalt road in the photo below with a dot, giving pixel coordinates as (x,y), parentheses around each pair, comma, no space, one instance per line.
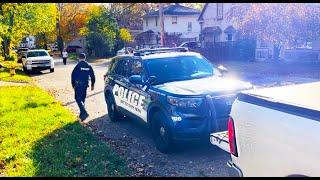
(130,139)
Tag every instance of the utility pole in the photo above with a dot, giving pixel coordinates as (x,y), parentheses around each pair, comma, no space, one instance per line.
(59,38)
(161,24)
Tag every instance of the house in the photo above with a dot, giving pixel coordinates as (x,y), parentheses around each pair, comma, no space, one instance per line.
(216,29)
(28,42)
(179,21)
(78,45)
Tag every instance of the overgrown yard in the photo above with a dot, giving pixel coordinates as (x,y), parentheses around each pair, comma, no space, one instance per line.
(39,137)
(19,77)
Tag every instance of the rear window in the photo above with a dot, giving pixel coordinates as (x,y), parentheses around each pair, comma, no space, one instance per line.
(37,53)
(19,50)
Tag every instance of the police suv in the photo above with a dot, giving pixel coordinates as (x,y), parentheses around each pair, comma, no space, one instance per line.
(179,94)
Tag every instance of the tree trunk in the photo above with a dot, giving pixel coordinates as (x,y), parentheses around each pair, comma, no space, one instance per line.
(6,49)
(6,40)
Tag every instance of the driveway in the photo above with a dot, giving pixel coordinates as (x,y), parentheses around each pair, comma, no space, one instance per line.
(131,139)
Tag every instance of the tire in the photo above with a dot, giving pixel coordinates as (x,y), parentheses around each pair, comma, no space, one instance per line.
(113,114)
(162,133)
(25,70)
(52,70)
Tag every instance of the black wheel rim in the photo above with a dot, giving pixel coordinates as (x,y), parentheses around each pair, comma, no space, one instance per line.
(162,134)
(111,108)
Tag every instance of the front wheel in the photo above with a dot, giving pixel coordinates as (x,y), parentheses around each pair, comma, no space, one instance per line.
(113,114)
(162,134)
(25,70)
(52,70)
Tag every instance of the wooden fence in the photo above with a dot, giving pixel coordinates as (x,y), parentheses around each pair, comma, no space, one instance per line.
(242,50)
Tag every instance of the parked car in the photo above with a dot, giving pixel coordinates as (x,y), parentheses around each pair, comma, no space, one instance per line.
(274,131)
(192,45)
(21,52)
(38,59)
(178,94)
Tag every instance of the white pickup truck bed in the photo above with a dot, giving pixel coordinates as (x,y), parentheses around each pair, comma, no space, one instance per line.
(277,131)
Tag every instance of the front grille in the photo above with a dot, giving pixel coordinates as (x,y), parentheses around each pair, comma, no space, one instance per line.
(40,62)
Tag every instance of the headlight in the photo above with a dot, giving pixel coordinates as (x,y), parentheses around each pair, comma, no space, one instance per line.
(28,62)
(185,102)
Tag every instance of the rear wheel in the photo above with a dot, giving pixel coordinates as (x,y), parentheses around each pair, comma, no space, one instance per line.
(113,114)
(162,133)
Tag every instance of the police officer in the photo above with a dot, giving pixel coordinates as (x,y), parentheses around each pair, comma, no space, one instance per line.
(80,83)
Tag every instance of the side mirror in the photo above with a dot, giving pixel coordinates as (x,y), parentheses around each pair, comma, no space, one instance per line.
(151,80)
(223,70)
(135,79)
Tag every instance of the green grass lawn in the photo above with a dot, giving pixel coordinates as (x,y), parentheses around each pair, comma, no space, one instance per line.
(72,56)
(19,77)
(39,137)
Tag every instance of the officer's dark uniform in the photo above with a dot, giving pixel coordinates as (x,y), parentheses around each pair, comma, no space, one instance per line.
(80,83)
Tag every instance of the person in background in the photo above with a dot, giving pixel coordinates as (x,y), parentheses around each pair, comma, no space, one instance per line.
(64,56)
(80,82)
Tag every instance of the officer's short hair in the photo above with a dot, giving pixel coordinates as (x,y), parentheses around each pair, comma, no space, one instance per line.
(82,56)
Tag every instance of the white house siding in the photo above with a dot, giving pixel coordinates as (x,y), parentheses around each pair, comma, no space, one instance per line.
(180,27)
(210,19)
(151,24)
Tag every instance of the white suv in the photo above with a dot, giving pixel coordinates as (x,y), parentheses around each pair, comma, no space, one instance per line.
(38,59)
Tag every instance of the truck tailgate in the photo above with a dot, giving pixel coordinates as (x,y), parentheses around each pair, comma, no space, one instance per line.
(220,139)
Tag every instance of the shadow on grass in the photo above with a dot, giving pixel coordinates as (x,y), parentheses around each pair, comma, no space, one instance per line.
(19,71)
(35,105)
(74,151)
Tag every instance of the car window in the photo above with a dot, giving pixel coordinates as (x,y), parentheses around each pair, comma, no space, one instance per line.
(111,69)
(122,67)
(37,53)
(179,68)
(136,68)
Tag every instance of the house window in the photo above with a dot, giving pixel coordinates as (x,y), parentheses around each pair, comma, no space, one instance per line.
(156,21)
(219,11)
(189,26)
(263,44)
(229,37)
(146,21)
(174,20)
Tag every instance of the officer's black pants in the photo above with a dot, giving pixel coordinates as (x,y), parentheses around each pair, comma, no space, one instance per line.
(64,61)
(80,96)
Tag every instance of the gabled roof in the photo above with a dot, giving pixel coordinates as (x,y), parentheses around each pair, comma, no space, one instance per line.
(214,30)
(230,30)
(175,10)
(202,12)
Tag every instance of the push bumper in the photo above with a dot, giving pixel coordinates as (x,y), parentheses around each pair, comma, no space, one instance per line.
(32,67)
(195,129)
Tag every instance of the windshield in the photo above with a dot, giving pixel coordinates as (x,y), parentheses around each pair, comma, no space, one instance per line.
(37,53)
(178,68)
